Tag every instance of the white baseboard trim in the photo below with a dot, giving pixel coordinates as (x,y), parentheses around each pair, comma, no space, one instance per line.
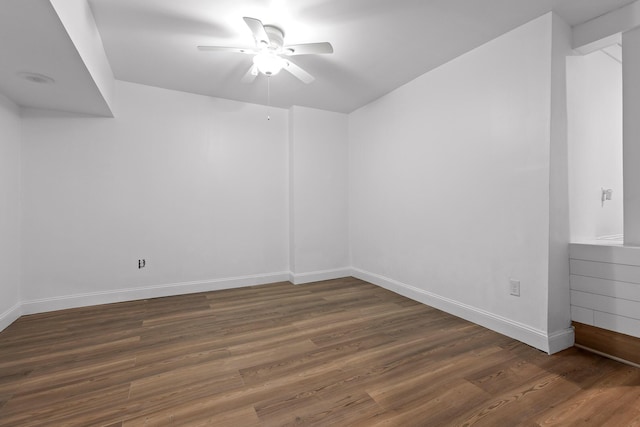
(550,343)
(561,340)
(317,276)
(145,292)
(10,315)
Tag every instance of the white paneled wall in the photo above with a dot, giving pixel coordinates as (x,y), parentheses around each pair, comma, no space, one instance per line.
(605,287)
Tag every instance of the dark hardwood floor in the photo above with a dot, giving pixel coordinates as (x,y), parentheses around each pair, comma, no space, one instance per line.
(341,352)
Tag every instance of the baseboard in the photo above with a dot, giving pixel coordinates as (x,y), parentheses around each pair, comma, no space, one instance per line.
(145,292)
(317,276)
(561,340)
(550,343)
(10,316)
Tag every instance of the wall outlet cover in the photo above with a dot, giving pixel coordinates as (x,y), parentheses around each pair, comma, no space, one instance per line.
(514,287)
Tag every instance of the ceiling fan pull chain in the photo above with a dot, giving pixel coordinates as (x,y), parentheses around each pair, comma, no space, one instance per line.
(268,97)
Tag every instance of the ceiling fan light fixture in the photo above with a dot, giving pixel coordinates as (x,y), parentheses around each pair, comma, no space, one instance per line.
(268,63)
(270,52)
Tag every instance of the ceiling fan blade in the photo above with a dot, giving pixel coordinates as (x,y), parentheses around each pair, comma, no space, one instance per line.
(248,50)
(259,33)
(251,75)
(298,72)
(308,48)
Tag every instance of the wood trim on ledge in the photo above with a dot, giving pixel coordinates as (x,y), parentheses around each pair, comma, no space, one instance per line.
(608,343)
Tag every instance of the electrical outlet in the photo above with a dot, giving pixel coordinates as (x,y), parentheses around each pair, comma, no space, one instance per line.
(514,287)
(142,263)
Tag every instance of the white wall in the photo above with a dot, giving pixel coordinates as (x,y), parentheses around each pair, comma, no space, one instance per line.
(559,296)
(631,135)
(449,185)
(197,186)
(319,194)
(10,212)
(594,87)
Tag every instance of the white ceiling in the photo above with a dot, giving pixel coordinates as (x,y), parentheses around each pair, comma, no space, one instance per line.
(33,40)
(379,44)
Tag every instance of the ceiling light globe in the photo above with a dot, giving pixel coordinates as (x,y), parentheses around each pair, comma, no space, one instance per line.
(268,63)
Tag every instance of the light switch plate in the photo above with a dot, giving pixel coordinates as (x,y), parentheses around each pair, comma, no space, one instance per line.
(514,287)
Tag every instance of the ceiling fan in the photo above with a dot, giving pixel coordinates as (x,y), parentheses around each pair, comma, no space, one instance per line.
(270,52)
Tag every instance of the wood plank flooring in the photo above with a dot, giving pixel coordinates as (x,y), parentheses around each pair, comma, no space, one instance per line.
(340,352)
